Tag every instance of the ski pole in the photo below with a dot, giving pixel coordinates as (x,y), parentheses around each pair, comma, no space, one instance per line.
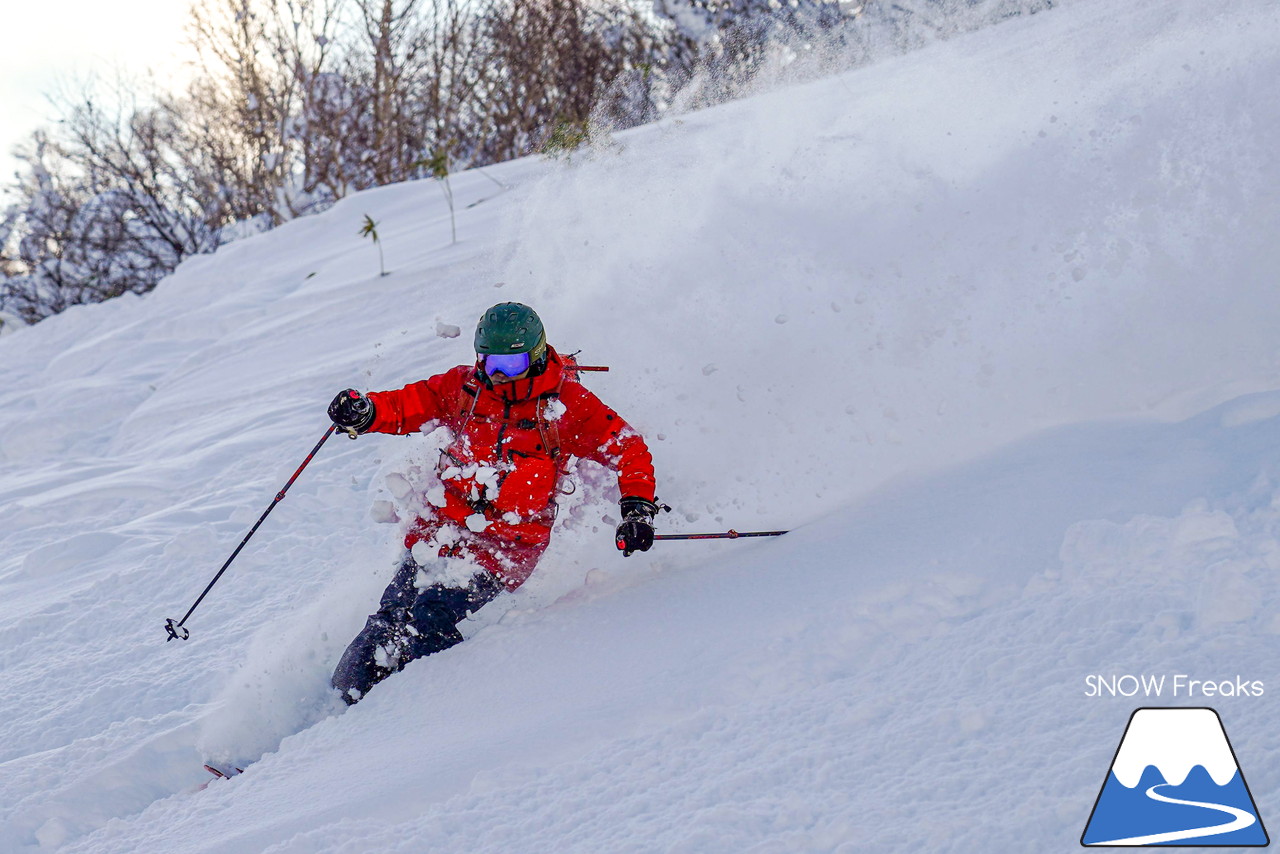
(726,535)
(176,630)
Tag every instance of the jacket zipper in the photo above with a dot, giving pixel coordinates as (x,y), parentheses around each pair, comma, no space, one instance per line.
(502,431)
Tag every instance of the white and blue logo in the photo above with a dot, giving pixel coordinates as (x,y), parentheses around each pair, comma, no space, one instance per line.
(1175,781)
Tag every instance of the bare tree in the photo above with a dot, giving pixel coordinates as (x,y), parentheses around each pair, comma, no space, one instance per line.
(77,237)
(263,63)
(552,61)
(455,72)
(296,104)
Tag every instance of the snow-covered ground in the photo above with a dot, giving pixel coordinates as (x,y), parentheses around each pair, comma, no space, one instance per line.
(993,327)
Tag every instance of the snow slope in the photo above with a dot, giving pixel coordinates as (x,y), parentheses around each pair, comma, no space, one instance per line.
(989,325)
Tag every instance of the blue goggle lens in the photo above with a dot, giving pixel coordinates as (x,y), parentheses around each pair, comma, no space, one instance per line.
(510,364)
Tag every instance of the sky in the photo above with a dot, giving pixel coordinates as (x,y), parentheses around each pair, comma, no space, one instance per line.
(84,38)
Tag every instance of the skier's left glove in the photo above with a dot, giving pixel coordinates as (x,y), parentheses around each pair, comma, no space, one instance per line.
(635,534)
(352,411)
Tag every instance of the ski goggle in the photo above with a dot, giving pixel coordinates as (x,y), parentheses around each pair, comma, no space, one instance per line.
(509,364)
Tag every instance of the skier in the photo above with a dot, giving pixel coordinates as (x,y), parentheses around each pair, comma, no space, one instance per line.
(515,418)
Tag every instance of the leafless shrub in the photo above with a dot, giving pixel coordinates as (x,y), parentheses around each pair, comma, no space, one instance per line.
(298,103)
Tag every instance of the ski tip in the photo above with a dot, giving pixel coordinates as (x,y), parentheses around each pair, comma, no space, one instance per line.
(225,773)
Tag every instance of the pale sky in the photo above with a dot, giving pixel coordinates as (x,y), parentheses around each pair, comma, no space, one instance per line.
(48,41)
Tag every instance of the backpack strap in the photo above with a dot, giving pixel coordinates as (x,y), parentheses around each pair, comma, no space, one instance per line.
(467,404)
(548,428)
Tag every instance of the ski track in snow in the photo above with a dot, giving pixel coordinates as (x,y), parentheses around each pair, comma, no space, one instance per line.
(990,326)
(1240,819)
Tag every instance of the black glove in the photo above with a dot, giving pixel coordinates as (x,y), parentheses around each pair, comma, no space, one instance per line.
(352,410)
(635,534)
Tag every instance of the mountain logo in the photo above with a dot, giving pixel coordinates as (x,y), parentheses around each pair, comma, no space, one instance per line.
(1175,781)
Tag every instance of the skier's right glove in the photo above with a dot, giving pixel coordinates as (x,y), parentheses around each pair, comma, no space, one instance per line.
(351,410)
(635,534)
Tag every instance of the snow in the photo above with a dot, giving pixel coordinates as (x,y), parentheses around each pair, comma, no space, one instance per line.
(1174,742)
(554,410)
(1021,418)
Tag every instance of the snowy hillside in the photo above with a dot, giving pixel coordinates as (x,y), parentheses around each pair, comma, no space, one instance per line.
(992,327)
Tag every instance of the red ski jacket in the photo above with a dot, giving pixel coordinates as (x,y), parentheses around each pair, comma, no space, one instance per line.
(511,442)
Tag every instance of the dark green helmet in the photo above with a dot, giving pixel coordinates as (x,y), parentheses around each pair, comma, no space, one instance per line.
(511,327)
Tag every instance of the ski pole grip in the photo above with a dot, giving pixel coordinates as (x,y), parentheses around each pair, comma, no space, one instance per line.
(175,630)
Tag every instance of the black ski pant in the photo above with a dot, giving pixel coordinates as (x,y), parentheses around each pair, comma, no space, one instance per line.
(409,624)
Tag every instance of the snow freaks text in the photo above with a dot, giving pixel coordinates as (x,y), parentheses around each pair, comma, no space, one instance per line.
(1176,685)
